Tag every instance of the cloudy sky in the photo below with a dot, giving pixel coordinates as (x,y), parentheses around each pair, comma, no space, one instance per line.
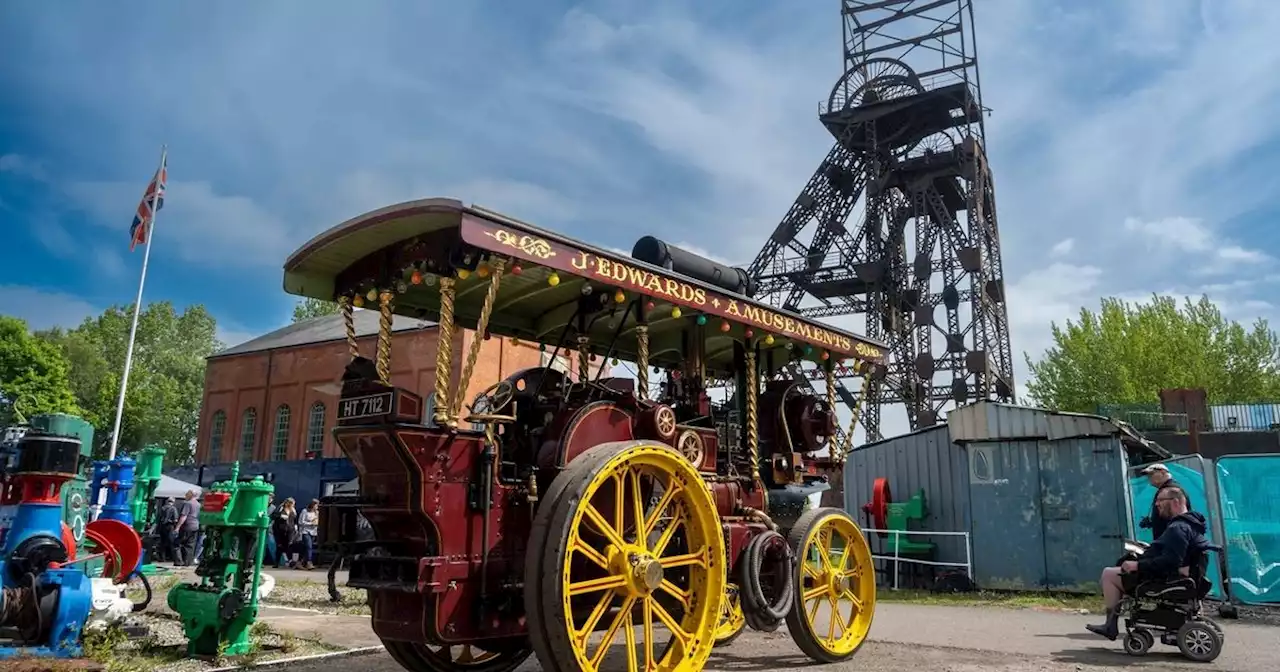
(1134,143)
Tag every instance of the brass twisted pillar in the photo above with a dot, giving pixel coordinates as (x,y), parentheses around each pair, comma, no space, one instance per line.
(444,353)
(384,337)
(482,326)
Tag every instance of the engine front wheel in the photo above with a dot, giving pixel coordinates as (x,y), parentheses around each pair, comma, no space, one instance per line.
(732,620)
(835,589)
(630,552)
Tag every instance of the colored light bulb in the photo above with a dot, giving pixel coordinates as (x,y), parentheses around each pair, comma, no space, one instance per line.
(463,274)
(416,277)
(619,297)
(553,279)
(768,339)
(676,312)
(724,326)
(702,319)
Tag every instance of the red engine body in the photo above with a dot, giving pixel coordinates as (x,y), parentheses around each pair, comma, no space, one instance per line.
(421,489)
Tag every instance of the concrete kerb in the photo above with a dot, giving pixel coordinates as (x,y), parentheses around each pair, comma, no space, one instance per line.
(349,653)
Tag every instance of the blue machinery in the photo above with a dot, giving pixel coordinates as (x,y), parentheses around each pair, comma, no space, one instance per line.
(45,595)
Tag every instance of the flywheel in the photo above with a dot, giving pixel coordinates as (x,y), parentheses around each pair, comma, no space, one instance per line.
(626,549)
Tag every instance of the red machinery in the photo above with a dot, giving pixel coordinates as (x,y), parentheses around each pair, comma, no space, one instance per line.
(560,502)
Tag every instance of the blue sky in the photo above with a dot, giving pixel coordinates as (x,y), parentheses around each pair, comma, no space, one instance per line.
(1134,143)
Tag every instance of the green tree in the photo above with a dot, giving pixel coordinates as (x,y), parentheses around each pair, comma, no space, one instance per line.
(33,374)
(309,308)
(166,381)
(1126,353)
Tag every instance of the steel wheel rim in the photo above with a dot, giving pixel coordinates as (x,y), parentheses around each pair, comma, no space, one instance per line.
(636,574)
(731,617)
(837,578)
(467,654)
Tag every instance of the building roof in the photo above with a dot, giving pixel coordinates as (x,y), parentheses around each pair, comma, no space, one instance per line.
(322,330)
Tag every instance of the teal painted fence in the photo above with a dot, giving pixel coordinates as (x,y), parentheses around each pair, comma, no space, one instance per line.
(1189,472)
(1249,490)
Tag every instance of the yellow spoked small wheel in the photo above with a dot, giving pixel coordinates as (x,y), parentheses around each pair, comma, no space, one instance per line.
(461,658)
(627,549)
(732,620)
(835,586)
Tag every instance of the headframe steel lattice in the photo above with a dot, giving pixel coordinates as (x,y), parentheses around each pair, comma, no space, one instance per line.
(923,265)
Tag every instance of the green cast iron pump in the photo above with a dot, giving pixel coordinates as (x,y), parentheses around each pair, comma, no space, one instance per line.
(146,478)
(218,613)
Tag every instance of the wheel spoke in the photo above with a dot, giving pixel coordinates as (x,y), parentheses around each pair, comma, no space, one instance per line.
(592,554)
(810,569)
(669,493)
(831,622)
(593,585)
(836,617)
(676,630)
(649,662)
(680,593)
(813,613)
(683,559)
(814,593)
(677,519)
(594,619)
(620,502)
(857,603)
(637,509)
(629,634)
(590,511)
(623,615)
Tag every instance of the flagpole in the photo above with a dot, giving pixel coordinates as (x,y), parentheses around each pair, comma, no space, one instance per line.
(150,228)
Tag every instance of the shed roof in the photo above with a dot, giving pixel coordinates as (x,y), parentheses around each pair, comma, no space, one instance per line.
(322,330)
(993,421)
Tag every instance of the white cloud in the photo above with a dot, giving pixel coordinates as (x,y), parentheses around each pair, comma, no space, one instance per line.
(1063,247)
(42,308)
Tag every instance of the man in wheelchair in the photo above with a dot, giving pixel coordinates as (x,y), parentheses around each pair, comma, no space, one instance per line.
(1170,571)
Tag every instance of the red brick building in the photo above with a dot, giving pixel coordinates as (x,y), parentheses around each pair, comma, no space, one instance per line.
(274,397)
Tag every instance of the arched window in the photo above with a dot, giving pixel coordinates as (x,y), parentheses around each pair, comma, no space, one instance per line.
(280,447)
(429,410)
(315,430)
(248,433)
(217,433)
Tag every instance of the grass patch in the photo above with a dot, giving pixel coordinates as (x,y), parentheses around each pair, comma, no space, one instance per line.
(112,648)
(1008,600)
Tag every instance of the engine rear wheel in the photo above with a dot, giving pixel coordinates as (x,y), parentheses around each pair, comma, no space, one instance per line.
(835,596)
(461,658)
(631,540)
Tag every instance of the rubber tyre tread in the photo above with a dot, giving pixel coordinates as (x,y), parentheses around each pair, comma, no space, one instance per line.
(797,620)
(410,656)
(555,644)
(1214,636)
(574,473)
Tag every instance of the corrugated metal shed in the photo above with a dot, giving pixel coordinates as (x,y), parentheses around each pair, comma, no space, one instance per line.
(991,421)
(922,459)
(1040,493)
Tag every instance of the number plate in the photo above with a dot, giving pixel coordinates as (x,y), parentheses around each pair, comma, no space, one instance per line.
(365,407)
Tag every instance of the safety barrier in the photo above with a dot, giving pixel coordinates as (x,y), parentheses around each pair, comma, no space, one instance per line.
(897,559)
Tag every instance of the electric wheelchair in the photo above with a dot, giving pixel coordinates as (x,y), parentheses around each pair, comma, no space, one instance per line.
(1171,610)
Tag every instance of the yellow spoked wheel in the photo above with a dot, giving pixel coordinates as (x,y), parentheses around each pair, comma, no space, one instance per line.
(732,620)
(835,585)
(461,658)
(627,549)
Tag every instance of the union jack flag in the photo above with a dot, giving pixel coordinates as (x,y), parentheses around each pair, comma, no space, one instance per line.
(151,203)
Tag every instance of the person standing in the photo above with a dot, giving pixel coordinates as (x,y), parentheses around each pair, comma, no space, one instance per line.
(1159,477)
(166,526)
(283,527)
(187,527)
(308,529)
(269,557)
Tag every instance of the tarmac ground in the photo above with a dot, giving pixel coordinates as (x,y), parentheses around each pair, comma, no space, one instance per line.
(903,637)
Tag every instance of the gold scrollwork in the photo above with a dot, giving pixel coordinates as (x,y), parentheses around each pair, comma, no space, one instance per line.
(866,351)
(536,247)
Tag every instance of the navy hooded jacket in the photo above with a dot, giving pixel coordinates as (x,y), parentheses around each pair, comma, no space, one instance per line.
(1181,545)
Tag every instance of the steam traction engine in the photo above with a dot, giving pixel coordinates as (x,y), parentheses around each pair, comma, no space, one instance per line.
(564,512)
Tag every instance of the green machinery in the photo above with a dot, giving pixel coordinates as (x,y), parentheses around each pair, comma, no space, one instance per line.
(146,478)
(75,494)
(218,612)
(891,516)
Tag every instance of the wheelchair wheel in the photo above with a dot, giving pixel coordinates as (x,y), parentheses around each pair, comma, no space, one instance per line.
(1138,642)
(1199,641)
